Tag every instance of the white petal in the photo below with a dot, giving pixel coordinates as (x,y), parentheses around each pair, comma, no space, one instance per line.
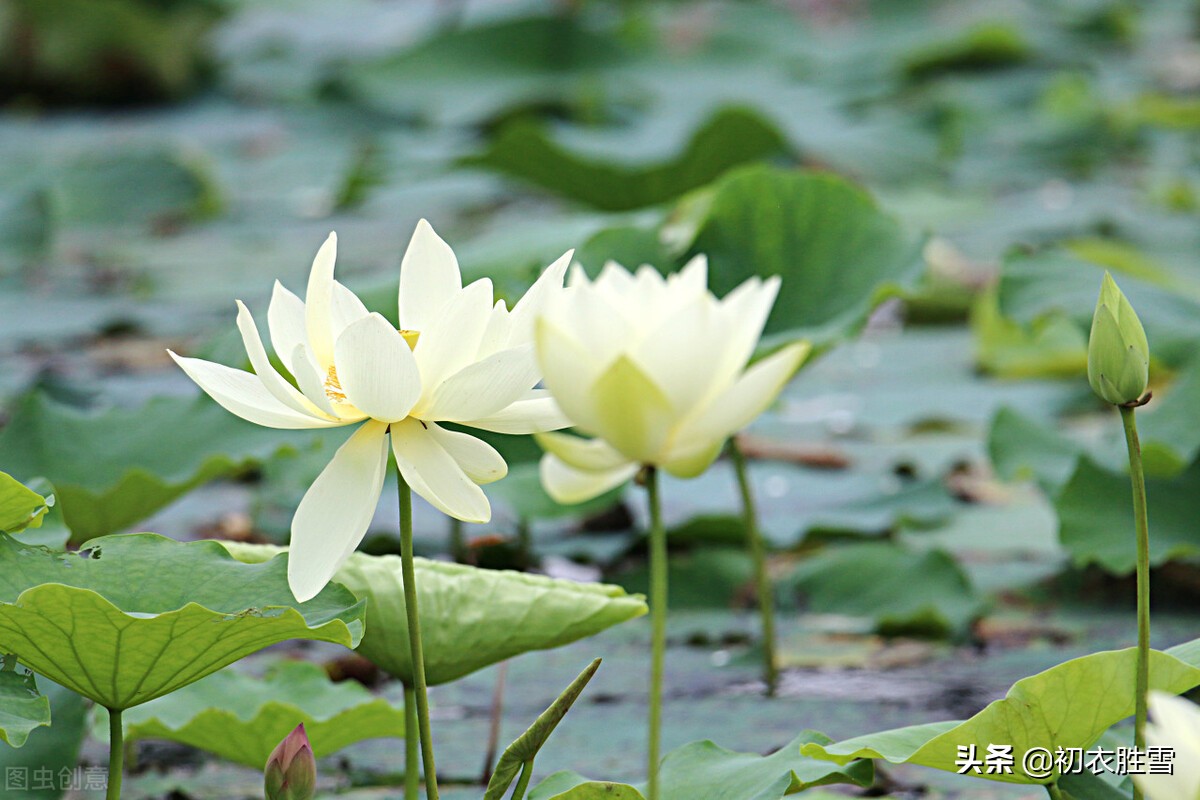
(587,454)
(483,388)
(376,369)
(337,509)
(633,413)
(311,383)
(285,321)
(435,475)
(481,461)
(737,406)
(693,278)
(568,485)
(243,394)
(680,352)
(536,412)
(541,293)
(452,341)
(745,311)
(318,302)
(429,278)
(568,370)
(282,391)
(497,333)
(345,309)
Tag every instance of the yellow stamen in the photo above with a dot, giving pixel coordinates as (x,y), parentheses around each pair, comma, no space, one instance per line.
(410,337)
(333,388)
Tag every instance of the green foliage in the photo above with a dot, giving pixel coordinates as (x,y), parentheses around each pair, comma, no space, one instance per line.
(241,718)
(104,51)
(137,616)
(705,771)
(22,706)
(905,592)
(20,506)
(1069,705)
(110,468)
(731,137)
(51,749)
(984,47)
(520,754)
(470,617)
(806,228)
(134,187)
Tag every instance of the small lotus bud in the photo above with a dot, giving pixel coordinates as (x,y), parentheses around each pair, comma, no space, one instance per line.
(1118,354)
(291,772)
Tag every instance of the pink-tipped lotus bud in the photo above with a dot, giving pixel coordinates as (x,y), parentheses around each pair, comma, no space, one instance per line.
(291,772)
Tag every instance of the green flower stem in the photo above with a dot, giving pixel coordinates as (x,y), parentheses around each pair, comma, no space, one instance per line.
(116,754)
(1054,792)
(1138,479)
(523,782)
(762,581)
(658,618)
(414,636)
(458,545)
(412,748)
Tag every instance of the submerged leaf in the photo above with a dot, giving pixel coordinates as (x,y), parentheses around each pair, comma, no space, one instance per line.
(138,616)
(239,717)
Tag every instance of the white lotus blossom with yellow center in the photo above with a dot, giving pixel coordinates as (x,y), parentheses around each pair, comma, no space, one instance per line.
(459,356)
(656,369)
(1175,726)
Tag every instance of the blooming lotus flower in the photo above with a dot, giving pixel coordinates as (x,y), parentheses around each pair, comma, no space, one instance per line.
(655,369)
(1176,725)
(459,356)
(1118,353)
(291,771)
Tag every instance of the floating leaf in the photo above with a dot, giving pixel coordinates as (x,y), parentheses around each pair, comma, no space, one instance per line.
(730,138)
(470,617)
(837,252)
(1021,449)
(988,46)
(241,718)
(705,771)
(141,186)
(522,751)
(904,591)
(1095,517)
(20,506)
(22,706)
(127,473)
(1069,705)
(138,616)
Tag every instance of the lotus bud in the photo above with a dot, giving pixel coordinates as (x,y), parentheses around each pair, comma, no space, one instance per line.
(291,772)
(1118,354)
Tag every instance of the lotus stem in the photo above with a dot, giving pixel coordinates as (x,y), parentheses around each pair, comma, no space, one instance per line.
(658,618)
(458,545)
(523,782)
(1053,790)
(1138,479)
(116,754)
(489,758)
(412,746)
(762,580)
(414,636)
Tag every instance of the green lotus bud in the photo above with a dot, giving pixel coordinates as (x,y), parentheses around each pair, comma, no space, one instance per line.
(291,772)
(1118,354)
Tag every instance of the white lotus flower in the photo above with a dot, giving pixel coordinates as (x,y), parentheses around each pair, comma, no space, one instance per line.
(655,369)
(457,358)
(1176,725)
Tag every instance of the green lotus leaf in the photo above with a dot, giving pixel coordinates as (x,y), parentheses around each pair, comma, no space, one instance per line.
(470,617)
(137,616)
(241,718)
(22,707)
(20,506)
(1069,705)
(705,771)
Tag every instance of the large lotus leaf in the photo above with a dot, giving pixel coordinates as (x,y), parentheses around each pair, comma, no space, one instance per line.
(20,506)
(1095,517)
(837,252)
(730,138)
(705,771)
(242,718)
(470,617)
(22,707)
(1069,705)
(48,750)
(134,187)
(128,474)
(137,616)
